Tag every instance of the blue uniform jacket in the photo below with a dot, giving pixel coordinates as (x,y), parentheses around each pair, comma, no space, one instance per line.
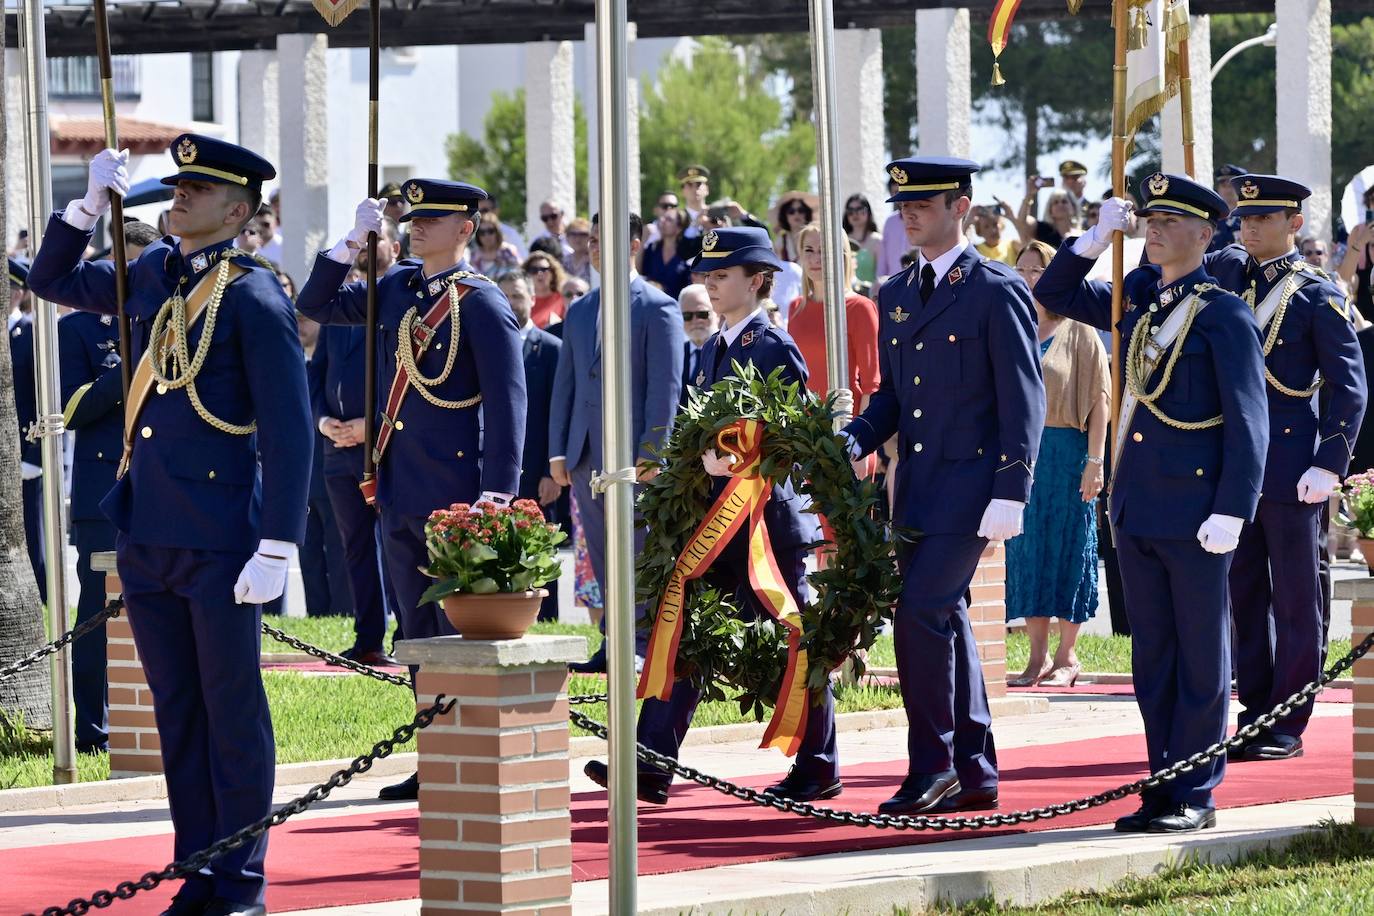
(962,390)
(540,350)
(1317,335)
(337,385)
(25,386)
(655,376)
(93,392)
(437,456)
(1169,480)
(767,348)
(189,484)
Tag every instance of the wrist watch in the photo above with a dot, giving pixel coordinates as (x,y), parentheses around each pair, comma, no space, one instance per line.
(1092,460)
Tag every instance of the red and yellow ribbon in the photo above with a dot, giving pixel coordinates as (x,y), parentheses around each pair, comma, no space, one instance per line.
(999,33)
(741,503)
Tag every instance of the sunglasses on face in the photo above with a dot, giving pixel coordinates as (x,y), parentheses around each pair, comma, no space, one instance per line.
(857,208)
(696,316)
(667,205)
(542,269)
(1314,253)
(486,232)
(796,209)
(549,217)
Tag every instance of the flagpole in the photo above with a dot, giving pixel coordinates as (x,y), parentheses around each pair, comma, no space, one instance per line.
(102,48)
(1119,141)
(1185,105)
(370,341)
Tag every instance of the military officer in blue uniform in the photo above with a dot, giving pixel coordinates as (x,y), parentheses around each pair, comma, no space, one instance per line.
(93,392)
(452,421)
(962,390)
(26,409)
(1189,458)
(737,266)
(1309,344)
(1228,227)
(211,500)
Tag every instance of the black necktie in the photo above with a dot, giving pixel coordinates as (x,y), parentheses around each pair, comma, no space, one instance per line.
(694,363)
(927,282)
(720,356)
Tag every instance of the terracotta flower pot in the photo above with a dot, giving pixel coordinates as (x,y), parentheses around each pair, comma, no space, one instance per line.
(505,615)
(1367,551)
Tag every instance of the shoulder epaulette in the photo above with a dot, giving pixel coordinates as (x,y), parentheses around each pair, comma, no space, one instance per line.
(462,275)
(1305,267)
(244,258)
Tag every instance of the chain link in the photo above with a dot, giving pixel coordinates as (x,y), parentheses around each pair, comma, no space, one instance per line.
(1048,812)
(333,659)
(111,609)
(192,864)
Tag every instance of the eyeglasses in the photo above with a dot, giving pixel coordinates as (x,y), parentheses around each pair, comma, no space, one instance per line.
(667,205)
(696,316)
(540,270)
(550,217)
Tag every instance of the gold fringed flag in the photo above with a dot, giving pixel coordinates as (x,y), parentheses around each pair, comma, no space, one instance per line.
(740,506)
(999,33)
(1155,29)
(336,11)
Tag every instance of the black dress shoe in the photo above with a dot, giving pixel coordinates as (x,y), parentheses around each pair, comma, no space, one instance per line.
(594,665)
(218,907)
(968,800)
(1274,747)
(1139,821)
(406,790)
(376,658)
(1184,819)
(648,788)
(921,793)
(800,787)
(184,907)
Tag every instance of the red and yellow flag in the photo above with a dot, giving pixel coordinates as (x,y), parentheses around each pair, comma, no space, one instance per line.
(741,504)
(999,33)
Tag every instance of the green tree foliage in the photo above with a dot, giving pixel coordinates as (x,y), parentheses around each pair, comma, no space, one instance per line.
(899,89)
(1058,90)
(497,161)
(717,112)
(1352,99)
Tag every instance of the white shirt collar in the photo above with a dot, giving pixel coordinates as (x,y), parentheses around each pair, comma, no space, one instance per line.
(732,333)
(943,263)
(525,330)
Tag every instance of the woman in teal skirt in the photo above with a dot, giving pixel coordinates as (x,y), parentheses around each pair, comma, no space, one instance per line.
(1052,566)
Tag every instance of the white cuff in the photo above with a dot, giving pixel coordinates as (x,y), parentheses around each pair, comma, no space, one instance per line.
(78,218)
(1089,246)
(1229,523)
(498,499)
(271,548)
(319,425)
(341,253)
(1009,503)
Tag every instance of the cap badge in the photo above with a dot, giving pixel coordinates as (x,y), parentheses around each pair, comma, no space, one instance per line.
(414,193)
(1249,190)
(1158,185)
(898,315)
(186,151)
(898,174)
(694,173)
(708,243)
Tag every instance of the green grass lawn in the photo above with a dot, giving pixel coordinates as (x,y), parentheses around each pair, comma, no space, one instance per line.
(1327,872)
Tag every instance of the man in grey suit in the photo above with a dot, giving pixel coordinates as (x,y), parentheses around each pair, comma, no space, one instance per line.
(575,416)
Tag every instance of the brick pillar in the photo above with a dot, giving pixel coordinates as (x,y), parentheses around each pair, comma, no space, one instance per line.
(495,826)
(1361,594)
(988,615)
(134,746)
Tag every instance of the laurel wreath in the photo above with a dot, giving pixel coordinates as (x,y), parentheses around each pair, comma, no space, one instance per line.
(851,598)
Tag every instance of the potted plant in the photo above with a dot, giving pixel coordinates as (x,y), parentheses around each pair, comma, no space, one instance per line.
(1358,512)
(489,564)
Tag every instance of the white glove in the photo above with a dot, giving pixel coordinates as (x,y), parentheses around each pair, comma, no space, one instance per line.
(1001,520)
(108,171)
(367,217)
(1114,216)
(1316,485)
(29,471)
(500,500)
(1220,533)
(715,465)
(851,444)
(264,575)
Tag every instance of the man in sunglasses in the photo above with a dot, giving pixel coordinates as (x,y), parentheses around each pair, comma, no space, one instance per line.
(555,227)
(508,232)
(699,322)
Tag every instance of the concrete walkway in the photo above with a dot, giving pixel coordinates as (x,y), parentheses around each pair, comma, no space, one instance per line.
(1020,868)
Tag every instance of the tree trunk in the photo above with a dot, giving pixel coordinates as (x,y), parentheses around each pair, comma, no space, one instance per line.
(1032,137)
(27,695)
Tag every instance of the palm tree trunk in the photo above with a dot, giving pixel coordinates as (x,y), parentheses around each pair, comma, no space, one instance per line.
(26,696)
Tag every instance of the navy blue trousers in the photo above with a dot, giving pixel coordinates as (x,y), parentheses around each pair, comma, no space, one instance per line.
(592,510)
(201,652)
(664,723)
(357,524)
(1180,656)
(949,725)
(88,653)
(32,495)
(1276,602)
(324,573)
(403,543)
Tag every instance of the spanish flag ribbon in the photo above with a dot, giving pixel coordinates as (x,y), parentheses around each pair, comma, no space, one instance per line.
(999,33)
(741,504)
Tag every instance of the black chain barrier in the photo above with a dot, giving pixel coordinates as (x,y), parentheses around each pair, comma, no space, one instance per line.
(922,822)
(326,655)
(194,863)
(111,609)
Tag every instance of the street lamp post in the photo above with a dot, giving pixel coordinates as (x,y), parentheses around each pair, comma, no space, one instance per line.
(1268,39)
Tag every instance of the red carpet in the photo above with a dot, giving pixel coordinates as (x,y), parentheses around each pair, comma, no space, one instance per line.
(366,858)
(1330,695)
